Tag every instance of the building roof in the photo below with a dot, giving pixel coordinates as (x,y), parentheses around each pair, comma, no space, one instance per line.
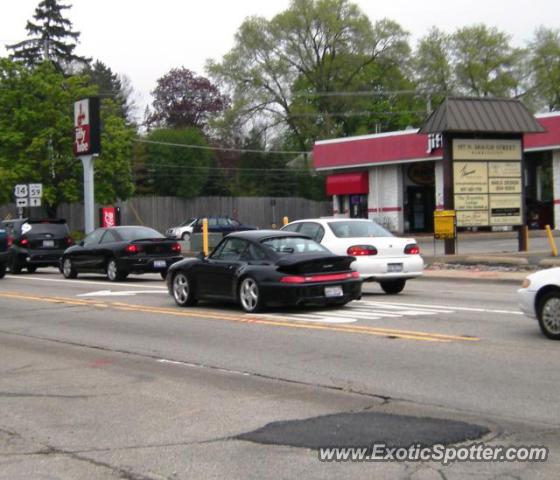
(481,115)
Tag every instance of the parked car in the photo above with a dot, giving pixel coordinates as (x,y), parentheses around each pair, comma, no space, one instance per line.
(120,251)
(3,252)
(36,243)
(266,267)
(216,224)
(380,256)
(539,297)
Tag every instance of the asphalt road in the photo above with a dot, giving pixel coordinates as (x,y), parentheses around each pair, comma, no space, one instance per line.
(104,380)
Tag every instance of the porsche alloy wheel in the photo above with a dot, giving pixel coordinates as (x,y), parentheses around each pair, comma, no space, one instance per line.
(249,295)
(182,290)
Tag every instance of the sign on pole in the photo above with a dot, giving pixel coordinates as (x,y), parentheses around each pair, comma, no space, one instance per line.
(87,143)
(28,195)
(21,190)
(35,190)
(87,138)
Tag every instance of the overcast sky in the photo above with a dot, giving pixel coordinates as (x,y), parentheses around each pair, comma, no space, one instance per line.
(144,39)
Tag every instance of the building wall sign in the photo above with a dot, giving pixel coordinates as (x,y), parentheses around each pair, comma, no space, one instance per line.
(487,182)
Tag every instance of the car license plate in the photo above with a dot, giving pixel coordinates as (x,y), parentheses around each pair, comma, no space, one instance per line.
(334,291)
(48,243)
(394,267)
(160,264)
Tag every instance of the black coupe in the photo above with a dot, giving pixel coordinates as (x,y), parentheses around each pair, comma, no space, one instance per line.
(118,251)
(265,267)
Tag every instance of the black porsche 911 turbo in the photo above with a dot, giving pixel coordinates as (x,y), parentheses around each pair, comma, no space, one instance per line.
(266,267)
(119,251)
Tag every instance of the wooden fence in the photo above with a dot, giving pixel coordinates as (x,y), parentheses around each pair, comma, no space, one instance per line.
(163,212)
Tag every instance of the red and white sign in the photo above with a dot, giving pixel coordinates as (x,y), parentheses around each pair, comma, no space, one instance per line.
(87,127)
(81,127)
(109,217)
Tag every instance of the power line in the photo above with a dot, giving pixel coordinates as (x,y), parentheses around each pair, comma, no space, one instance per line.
(364,93)
(200,167)
(222,149)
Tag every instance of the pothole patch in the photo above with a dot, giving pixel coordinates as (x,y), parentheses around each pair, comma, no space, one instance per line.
(364,429)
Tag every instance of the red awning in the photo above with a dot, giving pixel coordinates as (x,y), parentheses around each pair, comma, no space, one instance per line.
(348,183)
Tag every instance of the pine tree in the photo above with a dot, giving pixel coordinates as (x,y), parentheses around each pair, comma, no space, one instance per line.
(50,38)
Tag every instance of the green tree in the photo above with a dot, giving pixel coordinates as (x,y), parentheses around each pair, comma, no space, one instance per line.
(544,62)
(50,38)
(176,170)
(110,85)
(286,69)
(36,137)
(433,65)
(485,62)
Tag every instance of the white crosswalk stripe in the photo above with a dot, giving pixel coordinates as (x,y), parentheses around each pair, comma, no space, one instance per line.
(362,310)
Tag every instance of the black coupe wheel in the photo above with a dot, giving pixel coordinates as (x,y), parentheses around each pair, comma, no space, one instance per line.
(183,292)
(392,287)
(249,295)
(114,272)
(549,315)
(68,269)
(2,270)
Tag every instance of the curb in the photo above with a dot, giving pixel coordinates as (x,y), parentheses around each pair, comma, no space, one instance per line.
(441,278)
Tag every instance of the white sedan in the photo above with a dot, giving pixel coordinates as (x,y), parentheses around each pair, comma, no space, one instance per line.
(380,256)
(539,298)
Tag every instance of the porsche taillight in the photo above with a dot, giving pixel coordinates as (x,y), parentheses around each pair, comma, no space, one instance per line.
(327,277)
(412,249)
(361,250)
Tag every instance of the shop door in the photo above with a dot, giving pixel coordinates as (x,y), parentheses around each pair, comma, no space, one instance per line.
(358,206)
(421,206)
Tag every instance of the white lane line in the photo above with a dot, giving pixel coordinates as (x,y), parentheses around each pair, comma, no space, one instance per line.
(84,282)
(118,293)
(464,309)
(410,310)
(363,314)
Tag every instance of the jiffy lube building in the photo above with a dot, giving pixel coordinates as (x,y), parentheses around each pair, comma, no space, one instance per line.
(490,160)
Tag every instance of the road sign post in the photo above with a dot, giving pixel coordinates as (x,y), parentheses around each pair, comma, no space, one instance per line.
(27,195)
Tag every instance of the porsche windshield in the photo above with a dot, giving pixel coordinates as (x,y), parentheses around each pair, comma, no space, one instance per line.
(288,245)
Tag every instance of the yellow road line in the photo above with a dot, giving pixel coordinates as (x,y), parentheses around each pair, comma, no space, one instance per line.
(246,318)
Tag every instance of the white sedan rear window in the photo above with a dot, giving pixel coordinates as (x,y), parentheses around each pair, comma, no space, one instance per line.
(366,228)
